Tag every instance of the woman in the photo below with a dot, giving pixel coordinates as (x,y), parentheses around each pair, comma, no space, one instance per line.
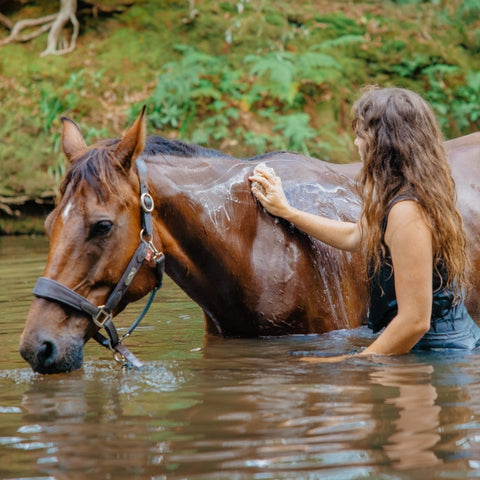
(409,227)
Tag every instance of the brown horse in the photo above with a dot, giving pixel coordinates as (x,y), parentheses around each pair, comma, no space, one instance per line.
(252,274)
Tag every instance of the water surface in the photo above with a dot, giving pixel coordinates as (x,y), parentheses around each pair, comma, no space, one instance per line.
(228,408)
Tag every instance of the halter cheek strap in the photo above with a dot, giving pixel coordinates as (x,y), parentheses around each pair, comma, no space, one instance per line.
(102,315)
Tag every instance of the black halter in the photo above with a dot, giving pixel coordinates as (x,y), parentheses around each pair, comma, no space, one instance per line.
(102,315)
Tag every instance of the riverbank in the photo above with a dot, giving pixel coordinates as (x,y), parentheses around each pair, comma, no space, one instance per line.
(24,215)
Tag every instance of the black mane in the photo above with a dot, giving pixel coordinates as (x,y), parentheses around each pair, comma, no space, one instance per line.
(156,145)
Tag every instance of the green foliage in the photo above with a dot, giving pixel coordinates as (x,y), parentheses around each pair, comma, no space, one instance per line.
(209,92)
(53,103)
(457,105)
(467,103)
(469,11)
(282,73)
(340,24)
(296,131)
(342,41)
(185,86)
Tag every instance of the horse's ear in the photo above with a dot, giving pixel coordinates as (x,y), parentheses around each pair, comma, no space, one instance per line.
(73,143)
(133,143)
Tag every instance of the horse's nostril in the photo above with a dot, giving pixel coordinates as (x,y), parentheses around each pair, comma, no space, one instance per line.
(46,354)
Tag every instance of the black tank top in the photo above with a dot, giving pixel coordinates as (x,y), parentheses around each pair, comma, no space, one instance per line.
(383,301)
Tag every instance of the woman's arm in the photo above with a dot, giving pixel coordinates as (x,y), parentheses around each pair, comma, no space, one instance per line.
(344,235)
(410,242)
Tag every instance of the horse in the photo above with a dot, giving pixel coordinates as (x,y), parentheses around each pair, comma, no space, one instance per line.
(129,205)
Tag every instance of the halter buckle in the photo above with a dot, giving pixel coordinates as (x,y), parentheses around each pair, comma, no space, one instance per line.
(147,203)
(106,317)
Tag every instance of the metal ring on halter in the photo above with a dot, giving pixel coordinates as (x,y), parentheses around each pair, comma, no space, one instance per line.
(118,357)
(149,242)
(147,203)
(142,232)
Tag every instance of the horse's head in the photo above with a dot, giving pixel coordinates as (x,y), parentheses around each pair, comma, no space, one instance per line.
(94,231)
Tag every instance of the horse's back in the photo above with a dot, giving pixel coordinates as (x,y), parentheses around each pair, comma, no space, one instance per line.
(464,156)
(310,183)
(457,145)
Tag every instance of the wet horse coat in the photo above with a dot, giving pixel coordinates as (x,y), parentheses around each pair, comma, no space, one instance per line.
(464,156)
(252,274)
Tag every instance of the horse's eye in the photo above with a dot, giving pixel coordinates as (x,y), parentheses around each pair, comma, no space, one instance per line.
(100,229)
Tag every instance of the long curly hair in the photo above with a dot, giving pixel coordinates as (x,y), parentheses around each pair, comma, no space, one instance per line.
(404,152)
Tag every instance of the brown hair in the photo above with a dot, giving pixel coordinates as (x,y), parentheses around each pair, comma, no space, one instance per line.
(404,152)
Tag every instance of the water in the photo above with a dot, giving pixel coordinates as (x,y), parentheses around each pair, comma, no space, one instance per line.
(228,408)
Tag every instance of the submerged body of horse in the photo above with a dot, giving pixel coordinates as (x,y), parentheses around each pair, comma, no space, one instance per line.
(252,274)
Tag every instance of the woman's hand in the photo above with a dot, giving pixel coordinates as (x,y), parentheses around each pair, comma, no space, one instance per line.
(337,358)
(267,188)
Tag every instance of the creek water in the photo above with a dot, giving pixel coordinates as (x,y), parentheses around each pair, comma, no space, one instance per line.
(205,408)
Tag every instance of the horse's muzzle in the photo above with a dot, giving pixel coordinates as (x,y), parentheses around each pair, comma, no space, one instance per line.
(45,356)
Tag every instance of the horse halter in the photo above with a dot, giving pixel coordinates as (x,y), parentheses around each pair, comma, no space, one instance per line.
(102,316)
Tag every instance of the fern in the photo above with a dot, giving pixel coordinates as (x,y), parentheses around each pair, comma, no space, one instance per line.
(342,41)
(469,11)
(285,71)
(296,130)
(466,106)
(318,67)
(278,69)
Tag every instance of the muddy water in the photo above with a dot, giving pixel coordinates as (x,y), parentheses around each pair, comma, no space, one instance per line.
(228,409)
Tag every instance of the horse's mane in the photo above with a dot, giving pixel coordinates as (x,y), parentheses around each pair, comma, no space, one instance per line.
(157,145)
(99,168)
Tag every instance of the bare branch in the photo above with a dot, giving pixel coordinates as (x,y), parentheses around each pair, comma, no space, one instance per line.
(6,22)
(55,25)
(15,36)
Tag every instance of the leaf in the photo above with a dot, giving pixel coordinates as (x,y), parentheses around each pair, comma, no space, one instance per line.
(341,41)
(296,129)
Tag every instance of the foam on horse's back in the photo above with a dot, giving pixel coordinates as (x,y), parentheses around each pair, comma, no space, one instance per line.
(330,200)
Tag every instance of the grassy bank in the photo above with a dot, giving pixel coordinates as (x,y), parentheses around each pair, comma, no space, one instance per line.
(242,76)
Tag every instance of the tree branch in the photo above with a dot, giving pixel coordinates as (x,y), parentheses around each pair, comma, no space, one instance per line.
(55,24)
(6,22)
(44,22)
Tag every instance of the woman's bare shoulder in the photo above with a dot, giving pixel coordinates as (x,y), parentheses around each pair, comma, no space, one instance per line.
(406,218)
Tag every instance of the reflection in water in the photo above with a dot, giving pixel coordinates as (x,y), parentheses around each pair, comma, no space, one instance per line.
(228,408)
(417,426)
(90,423)
(262,413)
(246,410)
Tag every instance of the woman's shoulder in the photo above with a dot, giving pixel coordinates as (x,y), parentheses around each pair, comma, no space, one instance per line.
(406,196)
(407,209)
(408,199)
(406,217)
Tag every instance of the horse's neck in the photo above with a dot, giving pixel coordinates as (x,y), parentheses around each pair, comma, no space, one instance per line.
(201,205)
(207,183)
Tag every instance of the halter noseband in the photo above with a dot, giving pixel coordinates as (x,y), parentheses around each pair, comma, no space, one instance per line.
(102,315)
